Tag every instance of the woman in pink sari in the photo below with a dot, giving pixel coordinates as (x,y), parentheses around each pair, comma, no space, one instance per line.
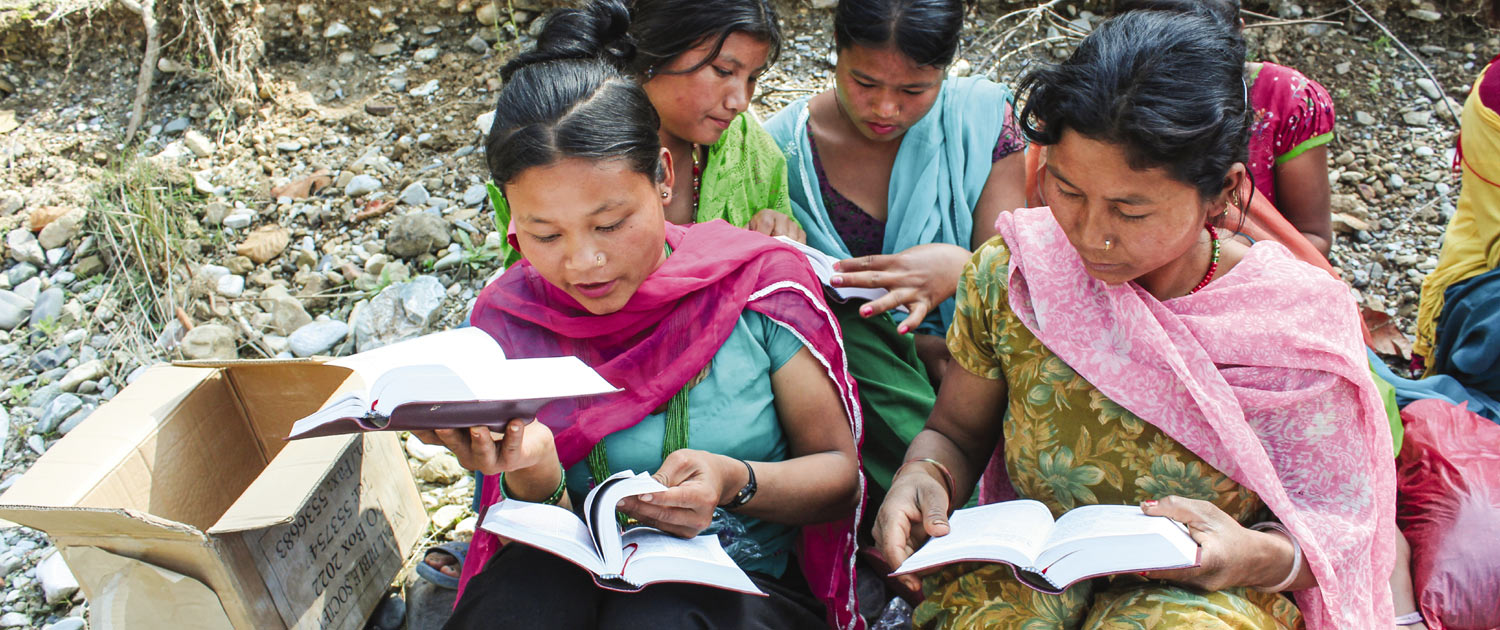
(1145,358)
(736,393)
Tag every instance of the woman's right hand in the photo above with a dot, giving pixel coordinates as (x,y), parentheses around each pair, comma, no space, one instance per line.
(915,509)
(523,445)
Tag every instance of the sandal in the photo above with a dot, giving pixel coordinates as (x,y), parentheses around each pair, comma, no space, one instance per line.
(435,575)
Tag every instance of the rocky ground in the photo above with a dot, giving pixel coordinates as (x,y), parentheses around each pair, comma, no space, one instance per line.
(342,206)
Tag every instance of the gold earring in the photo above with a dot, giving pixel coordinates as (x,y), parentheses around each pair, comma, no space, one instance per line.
(664,194)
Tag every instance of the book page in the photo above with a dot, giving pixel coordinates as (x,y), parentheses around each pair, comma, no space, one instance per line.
(599,508)
(350,405)
(653,556)
(1097,521)
(472,377)
(822,265)
(1105,539)
(1011,531)
(469,345)
(547,527)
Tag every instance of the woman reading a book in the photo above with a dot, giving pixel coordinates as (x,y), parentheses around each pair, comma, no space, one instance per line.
(735,390)
(699,62)
(1144,358)
(900,171)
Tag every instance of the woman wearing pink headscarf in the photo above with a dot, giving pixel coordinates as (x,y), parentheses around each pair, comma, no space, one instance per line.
(1118,348)
(736,394)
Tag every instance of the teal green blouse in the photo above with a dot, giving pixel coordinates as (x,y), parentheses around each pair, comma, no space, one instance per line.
(731,412)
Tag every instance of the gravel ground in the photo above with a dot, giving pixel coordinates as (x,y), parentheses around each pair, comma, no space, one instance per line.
(378,109)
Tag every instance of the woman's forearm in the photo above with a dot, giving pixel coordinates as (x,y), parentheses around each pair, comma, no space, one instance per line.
(813,488)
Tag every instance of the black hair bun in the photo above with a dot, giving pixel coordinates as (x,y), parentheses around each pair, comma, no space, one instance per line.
(600,30)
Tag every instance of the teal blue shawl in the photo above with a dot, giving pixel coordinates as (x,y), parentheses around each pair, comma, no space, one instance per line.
(940,171)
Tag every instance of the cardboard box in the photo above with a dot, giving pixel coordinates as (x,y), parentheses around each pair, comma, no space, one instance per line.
(185,473)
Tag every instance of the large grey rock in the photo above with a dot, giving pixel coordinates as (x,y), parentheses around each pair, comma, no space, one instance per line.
(401,311)
(21,273)
(475,195)
(361,185)
(29,289)
(415,194)
(209,341)
(49,306)
(287,313)
(86,371)
(13,309)
(72,422)
(415,234)
(67,623)
(58,583)
(57,411)
(15,620)
(21,244)
(317,337)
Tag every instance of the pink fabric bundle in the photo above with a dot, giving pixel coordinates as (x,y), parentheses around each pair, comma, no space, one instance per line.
(1262,374)
(667,332)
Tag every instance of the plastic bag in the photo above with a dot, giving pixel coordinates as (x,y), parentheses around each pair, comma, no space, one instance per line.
(1448,506)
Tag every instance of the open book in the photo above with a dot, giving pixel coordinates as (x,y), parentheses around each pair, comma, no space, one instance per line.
(822,265)
(620,560)
(1049,556)
(448,380)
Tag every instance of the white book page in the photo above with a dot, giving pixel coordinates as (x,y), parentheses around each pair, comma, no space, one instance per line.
(464,378)
(470,345)
(822,265)
(600,508)
(1098,521)
(546,527)
(661,557)
(349,405)
(1101,539)
(1011,531)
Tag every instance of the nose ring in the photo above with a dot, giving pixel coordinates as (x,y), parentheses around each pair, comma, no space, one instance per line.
(599,259)
(1108,244)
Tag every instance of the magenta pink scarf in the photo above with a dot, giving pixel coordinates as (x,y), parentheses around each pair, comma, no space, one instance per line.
(1262,374)
(666,333)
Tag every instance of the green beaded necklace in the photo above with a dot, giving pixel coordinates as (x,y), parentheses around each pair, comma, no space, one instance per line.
(675,436)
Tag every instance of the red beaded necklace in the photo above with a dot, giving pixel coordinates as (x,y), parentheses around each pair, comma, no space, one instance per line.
(1213,264)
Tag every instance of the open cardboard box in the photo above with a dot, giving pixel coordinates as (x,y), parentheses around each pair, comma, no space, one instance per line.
(185,478)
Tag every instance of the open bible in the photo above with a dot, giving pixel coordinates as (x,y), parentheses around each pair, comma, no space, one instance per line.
(448,380)
(622,560)
(822,265)
(1050,556)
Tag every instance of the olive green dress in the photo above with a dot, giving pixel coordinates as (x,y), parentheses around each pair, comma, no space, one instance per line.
(1067,445)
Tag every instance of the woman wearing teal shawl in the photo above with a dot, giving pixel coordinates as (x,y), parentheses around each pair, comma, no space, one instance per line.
(900,173)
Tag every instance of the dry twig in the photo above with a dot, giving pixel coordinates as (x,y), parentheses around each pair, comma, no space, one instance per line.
(1399,44)
(147,10)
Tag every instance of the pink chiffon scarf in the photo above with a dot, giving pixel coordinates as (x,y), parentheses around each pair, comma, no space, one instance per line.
(1263,374)
(666,333)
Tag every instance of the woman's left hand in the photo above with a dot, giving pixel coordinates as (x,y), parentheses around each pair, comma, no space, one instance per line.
(919,278)
(696,482)
(1230,555)
(773,223)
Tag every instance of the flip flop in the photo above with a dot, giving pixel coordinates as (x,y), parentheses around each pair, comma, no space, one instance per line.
(430,573)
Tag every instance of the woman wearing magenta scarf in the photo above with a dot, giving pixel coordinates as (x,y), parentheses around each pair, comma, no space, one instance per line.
(1117,349)
(736,393)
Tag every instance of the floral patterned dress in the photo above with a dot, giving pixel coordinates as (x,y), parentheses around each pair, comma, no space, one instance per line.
(1067,445)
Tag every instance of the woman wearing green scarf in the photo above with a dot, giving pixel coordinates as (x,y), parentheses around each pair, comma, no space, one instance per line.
(698,61)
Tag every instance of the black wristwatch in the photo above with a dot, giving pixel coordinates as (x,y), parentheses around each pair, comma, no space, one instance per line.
(746,493)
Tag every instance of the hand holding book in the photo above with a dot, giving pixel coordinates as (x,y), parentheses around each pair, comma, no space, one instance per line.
(1231,554)
(524,450)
